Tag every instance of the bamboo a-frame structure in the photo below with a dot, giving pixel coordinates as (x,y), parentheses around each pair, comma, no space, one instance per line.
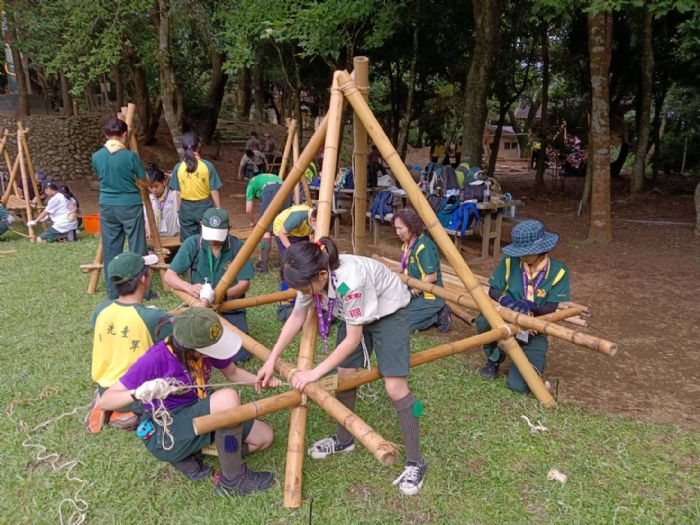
(354,91)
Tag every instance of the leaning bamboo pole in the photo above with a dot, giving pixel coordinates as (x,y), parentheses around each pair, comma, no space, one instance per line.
(304,181)
(524,321)
(297,423)
(12,183)
(348,381)
(95,276)
(271,212)
(398,169)
(247,302)
(30,164)
(25,183)
(291,131)
(359,161)
(384,451)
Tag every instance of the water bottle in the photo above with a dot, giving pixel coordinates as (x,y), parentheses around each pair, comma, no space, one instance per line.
(487,191)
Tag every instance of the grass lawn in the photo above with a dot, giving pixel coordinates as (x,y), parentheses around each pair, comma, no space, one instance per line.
(485,465)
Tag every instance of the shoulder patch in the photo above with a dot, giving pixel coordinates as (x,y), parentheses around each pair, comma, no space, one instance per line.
(343,289)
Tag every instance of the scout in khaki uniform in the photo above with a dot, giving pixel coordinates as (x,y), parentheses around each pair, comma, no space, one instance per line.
(123,329)
(198,344)
(528,281)
(206,257)
(118,169)
(197,184)
(420,260)
(373,303)
(263,187)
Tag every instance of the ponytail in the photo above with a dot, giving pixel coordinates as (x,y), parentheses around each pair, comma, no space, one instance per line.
(303,261)
(190,145)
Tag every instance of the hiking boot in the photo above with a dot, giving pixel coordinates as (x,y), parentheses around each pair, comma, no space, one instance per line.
(95,417)
(193,468)
(123,420)
(246,482)
(325,447)
(411,479)
(490,370)
(444,319)
(261,267)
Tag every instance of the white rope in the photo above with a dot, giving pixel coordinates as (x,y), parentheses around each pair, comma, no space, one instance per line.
(539,427)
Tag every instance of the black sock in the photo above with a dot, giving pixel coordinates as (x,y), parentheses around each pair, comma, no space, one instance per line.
(409,428)
(347,398)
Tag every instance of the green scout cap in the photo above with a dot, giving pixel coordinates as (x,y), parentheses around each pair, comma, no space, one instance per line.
(201,329)
(127,265)
(215,225)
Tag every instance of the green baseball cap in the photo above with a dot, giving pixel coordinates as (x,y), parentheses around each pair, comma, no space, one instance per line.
(127,265)
(215,225)
(201,329)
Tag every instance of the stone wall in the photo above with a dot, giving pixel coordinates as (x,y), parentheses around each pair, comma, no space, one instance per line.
(59,146)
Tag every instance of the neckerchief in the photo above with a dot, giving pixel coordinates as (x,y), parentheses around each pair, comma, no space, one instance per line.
(197,376)
(160,206)
(406,253)
(532,277)
(113,145)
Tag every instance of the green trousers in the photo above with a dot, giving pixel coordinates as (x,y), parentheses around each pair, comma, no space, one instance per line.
(190,216)
(116,224)
(535,351)
(423,313)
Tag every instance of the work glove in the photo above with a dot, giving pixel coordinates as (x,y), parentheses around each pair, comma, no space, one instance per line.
(153,389)
(522,306)
(32,223)
(506,301)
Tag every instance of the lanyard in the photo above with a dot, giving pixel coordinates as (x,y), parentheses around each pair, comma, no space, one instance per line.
(213,262)
(404,255)
(325,321)
(538,280)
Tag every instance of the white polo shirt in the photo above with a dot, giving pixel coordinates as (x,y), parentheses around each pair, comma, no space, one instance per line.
(59,211)
(365,290)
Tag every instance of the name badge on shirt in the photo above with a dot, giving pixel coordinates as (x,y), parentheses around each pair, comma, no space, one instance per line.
(163,226)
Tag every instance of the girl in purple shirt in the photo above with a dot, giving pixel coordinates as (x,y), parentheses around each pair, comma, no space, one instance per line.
(198,344)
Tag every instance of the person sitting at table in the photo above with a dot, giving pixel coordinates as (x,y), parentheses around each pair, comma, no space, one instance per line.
(374,167)
(420,260)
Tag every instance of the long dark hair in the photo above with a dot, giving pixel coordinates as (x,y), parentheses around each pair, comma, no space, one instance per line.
(115,127)
(190,143)
(184,354)
(303,261)
(69,195)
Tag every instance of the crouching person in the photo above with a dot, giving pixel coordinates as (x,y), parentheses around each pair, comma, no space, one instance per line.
(528,281)
(198,343)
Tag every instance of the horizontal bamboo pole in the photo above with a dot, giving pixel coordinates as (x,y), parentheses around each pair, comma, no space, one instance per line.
(262,407)
(460,312)
(524,321)
(91,267)
(384,451)
(562,315)
(247,302)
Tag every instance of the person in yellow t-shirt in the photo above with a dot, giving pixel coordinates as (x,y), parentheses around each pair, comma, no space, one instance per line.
(124,330)
(197,184)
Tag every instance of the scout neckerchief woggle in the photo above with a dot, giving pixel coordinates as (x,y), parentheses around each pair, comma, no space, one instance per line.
(325,321)
(534,283)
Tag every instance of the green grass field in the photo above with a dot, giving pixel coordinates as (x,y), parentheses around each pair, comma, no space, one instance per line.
(485,465)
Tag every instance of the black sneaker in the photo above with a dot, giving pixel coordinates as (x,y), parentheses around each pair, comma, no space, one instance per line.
(490,370)
(330,445)
(193,468)
(444,319)
(246,482)
(411,479)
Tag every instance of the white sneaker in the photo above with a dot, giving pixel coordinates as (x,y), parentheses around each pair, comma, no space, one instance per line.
(411,479)
(325,447)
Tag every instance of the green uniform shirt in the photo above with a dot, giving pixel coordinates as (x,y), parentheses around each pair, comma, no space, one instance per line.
(195,254)
(4,224)
(423,260)
(195,189)
(254,190)
(554,287)
(117,173)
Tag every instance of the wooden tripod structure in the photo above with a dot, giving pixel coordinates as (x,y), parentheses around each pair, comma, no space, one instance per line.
(354,91)
(23,166)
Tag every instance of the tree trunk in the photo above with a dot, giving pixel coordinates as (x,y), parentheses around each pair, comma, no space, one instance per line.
(403,137)
(243,95)
(544,140)
(23,106)
(646,80)
(258,86)
(145,130)
(120,98)
(170,92)
(67,98)
(215,96)
(502,111)
(486,21)
(522,139)
(599,51)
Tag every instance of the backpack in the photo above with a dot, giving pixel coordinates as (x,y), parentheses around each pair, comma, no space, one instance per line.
(462,170)
(347,181)
(446,208)
(462,217)
(382,205)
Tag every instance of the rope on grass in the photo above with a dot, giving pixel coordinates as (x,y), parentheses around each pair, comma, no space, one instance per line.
(78,504)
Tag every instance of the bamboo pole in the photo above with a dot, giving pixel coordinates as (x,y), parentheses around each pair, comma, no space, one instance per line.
(12,184)
(398,169)
(296,448)
(30,165)
(351,380)
(247,302)
(359,161)
(304,180)
(295,157)
(91,267)
(460,312)
(291,132)
(25,183)
(384,451)
(271,212)
(94,278)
